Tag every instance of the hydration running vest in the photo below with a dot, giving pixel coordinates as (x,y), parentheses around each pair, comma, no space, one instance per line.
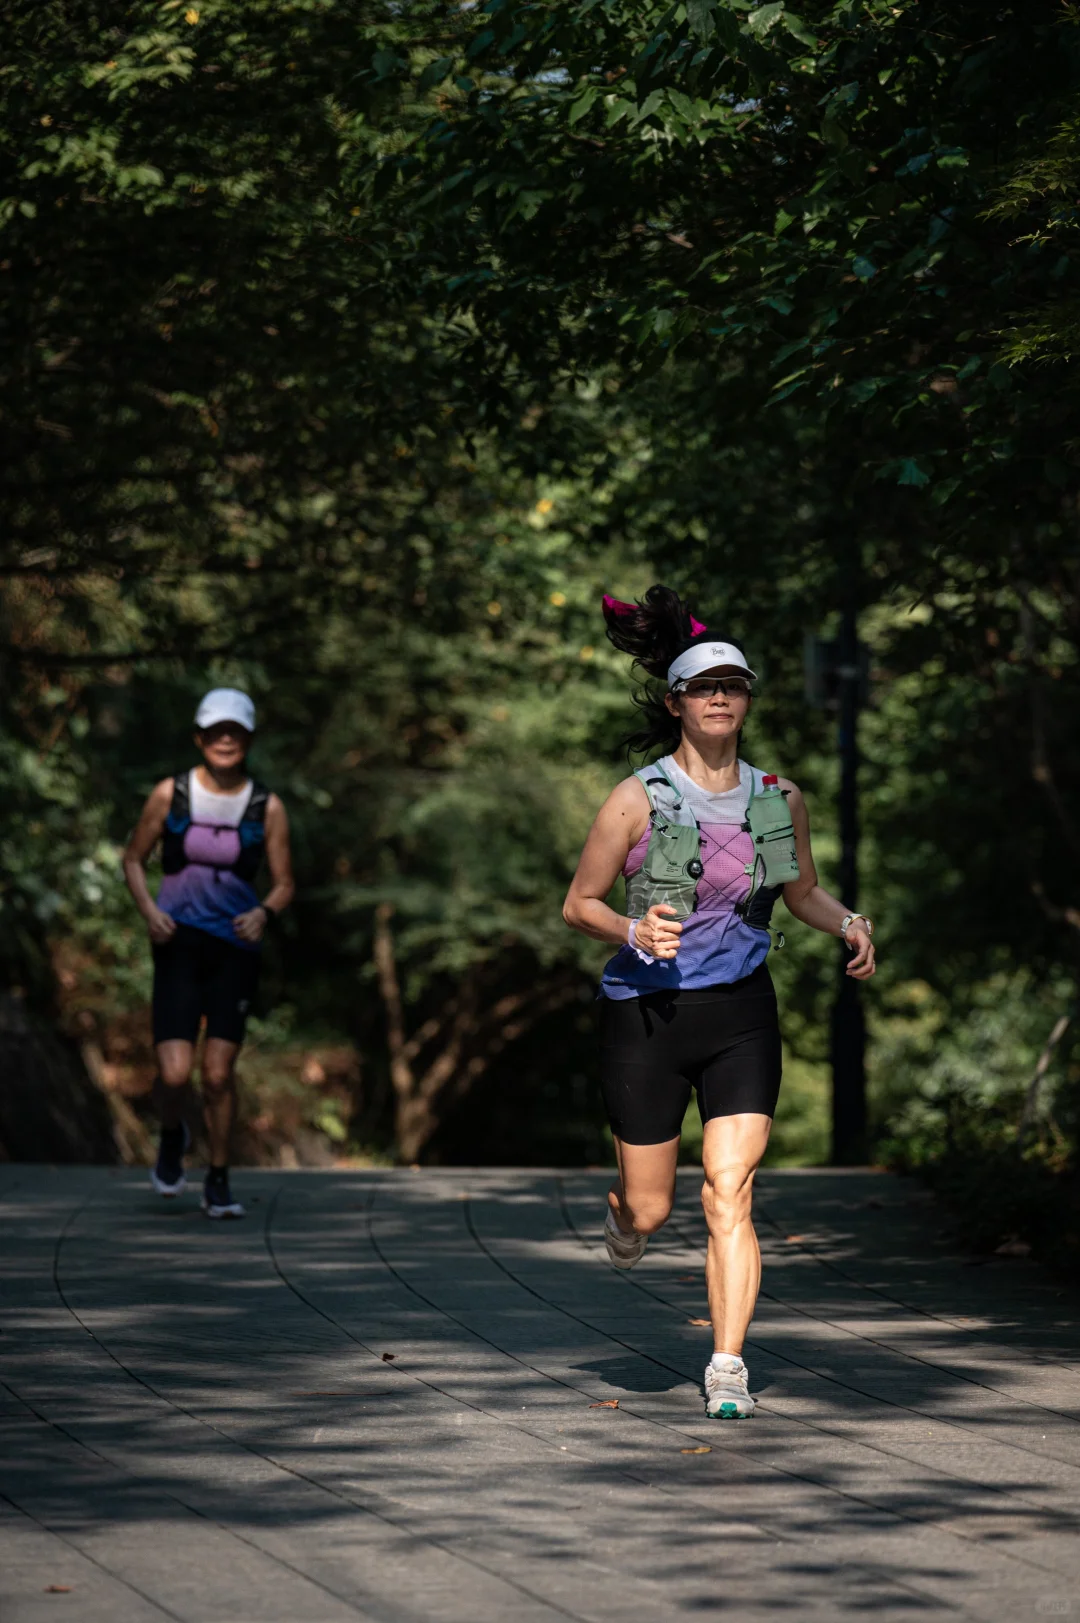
(238,849)
(673,866)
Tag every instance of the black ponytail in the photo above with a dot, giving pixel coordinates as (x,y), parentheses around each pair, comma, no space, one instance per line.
(655,630)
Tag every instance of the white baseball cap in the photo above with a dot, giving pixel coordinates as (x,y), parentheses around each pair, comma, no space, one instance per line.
(225,704)
(705,656)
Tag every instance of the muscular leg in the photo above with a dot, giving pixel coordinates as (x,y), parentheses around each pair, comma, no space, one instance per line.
(176,1060)
(732,1149)
(642,1195)
(219,1096)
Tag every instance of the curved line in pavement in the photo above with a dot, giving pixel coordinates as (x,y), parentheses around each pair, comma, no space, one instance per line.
(299,1475)
(490,1572)
(857,1335)
(52,1532)
(829,1487)
(651,1420)
(198,1420)
(828,1431)
(553,1380)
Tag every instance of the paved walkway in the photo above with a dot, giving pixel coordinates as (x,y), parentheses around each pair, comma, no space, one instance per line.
(377,1399)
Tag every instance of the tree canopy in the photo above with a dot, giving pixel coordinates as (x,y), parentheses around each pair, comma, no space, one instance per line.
(352,351)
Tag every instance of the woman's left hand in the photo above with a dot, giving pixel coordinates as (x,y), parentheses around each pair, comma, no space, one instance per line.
(251,926)
(863,964)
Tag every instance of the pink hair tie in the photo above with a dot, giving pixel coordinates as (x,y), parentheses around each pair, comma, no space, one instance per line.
(615,609)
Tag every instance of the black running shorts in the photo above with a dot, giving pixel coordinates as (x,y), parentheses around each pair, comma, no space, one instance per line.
(196,974)
(723,1042)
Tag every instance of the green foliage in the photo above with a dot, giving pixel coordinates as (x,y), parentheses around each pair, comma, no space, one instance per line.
(807,209)
(973,1066)
(53,851)
(203,359)
(957,1089)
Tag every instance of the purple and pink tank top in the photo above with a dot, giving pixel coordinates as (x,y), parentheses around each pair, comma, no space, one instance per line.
(206,894)
(716,946)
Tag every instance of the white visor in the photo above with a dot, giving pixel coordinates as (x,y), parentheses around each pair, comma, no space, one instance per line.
(706,656)
(225,704)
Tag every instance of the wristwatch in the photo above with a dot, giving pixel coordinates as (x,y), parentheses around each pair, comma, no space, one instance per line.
(850,919)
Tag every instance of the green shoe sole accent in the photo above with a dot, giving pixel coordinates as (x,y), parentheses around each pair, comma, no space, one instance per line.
(728,1411)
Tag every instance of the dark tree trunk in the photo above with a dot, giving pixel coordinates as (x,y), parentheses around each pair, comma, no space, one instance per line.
(50,1109)
(435,1067)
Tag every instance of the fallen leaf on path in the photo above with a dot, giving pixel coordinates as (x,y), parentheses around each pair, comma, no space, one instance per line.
(794,1239)
(605,1403)
(1013,1248)
(702,1322)
(388,1358)
(58,1589)
(704,1449)
(687,1279)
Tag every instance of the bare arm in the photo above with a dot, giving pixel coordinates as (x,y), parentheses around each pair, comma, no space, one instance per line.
(807,901)
(142,842)
(251,925)
(620,823)
(278,856)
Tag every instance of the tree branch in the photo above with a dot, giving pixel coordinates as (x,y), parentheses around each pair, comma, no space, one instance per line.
(401,1073)
(1059,915)
(1027,1115)
(1041,770)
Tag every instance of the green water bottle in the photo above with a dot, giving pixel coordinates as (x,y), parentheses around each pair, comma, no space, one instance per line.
(772,832)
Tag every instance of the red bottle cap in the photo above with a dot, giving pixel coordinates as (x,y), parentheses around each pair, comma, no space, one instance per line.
(769,778)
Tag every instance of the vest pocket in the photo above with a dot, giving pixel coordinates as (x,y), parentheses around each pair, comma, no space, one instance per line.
(669,873)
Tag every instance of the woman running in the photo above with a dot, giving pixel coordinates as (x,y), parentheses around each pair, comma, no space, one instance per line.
(215,824)
(687,1001)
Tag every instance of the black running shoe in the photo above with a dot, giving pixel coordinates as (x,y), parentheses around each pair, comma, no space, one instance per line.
(167,1176)
(217,1200)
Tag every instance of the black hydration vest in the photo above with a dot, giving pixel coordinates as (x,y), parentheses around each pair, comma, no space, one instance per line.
(251,831)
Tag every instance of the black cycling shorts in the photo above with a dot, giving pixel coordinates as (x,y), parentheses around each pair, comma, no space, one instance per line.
(723,1042)
(196,974)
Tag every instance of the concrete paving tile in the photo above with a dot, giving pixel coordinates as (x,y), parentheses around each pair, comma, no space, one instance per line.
(206,1411)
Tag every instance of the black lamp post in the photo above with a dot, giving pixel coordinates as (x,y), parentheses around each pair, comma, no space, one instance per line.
(836,677)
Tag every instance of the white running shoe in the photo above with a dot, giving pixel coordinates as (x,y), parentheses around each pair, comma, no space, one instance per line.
(167,1174)
(217,1200)
(623,1249)
(726,1393)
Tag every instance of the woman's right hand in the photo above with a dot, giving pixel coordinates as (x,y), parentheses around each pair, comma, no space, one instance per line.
(161,927)
(658,932)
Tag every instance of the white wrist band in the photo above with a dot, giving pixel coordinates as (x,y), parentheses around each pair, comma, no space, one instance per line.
(631,937)
(850,920)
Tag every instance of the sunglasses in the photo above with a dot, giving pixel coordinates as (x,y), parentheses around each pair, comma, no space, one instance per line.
(707,687)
